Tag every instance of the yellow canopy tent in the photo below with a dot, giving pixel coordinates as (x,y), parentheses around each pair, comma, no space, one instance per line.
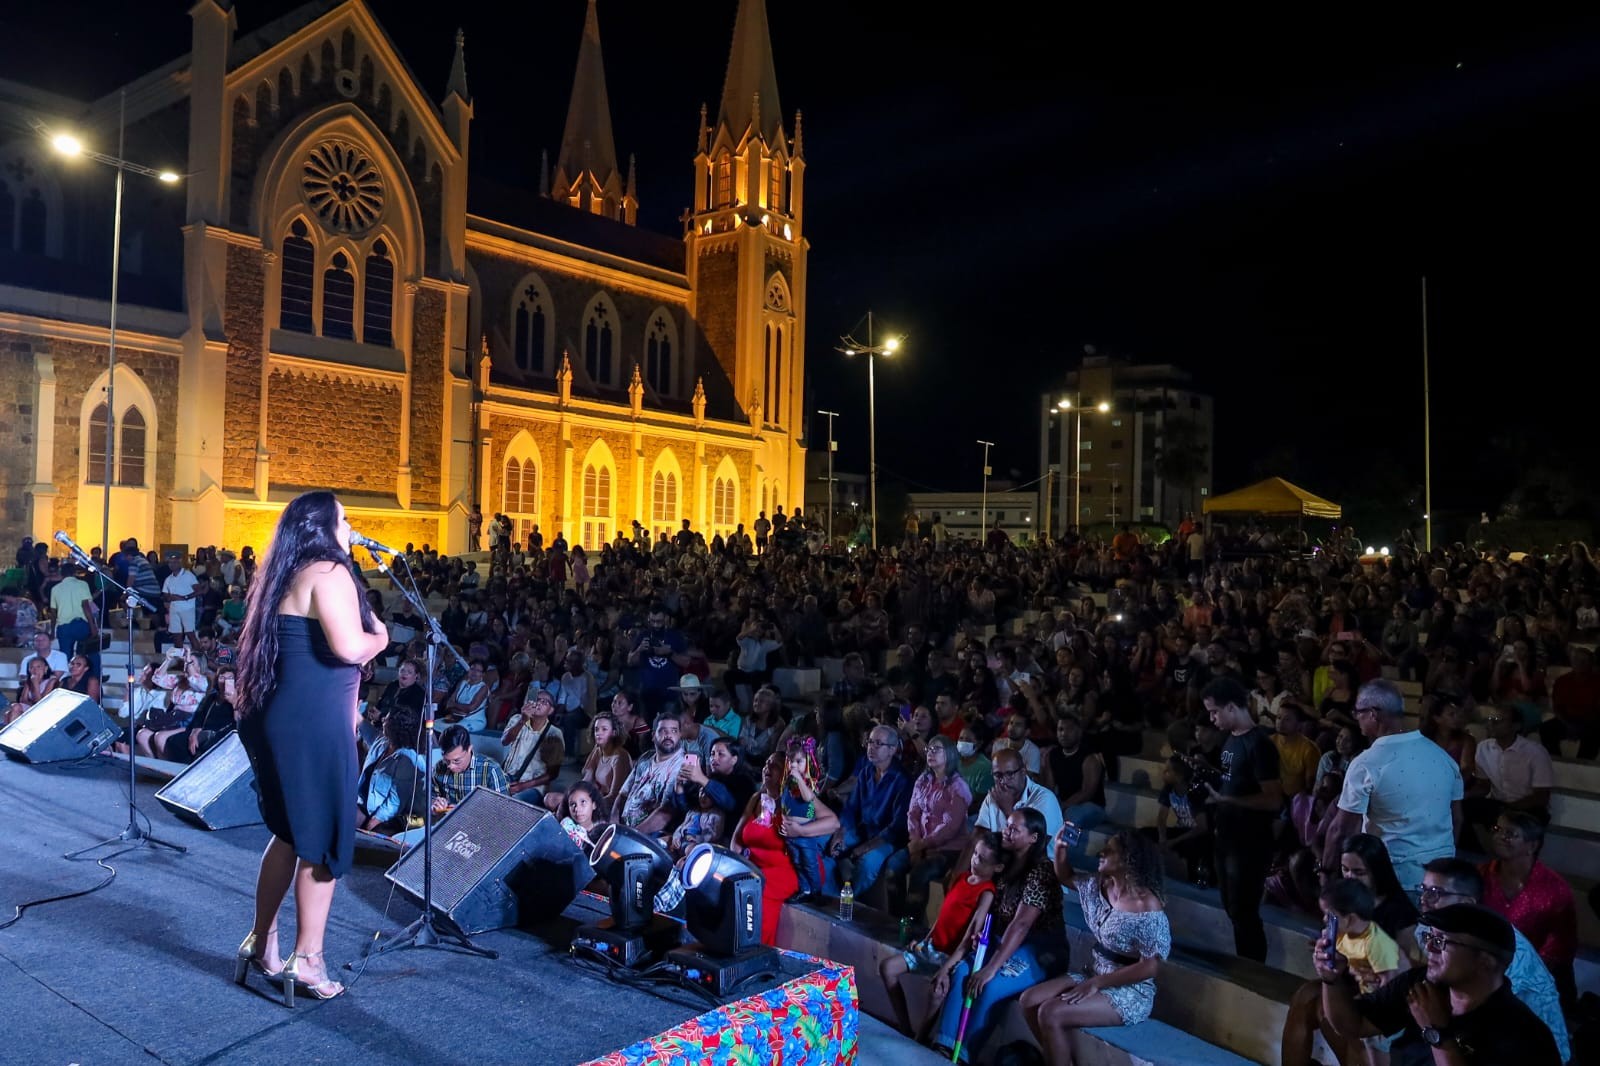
(1273,496)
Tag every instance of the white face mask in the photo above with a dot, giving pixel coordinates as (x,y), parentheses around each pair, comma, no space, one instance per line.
(966,748)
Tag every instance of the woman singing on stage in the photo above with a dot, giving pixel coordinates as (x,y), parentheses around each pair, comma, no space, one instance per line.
(307,630)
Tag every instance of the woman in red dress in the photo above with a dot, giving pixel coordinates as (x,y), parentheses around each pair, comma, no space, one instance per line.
(762,833)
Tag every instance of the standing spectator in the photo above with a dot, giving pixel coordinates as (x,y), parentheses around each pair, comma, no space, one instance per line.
(181,591)
(1250,798)
(1533,897)
(1575,698)
(475,528)
(1403,789)
(1511,772)
(72,604)
(660,653)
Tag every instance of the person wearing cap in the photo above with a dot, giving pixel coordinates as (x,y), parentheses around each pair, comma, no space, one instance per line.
(1404,789)
(1458,1010)
(182,595)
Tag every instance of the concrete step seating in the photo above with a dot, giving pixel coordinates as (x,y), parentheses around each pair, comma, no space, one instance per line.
(873,936)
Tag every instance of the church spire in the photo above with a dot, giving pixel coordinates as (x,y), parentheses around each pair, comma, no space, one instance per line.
(458,70)
(752,82)
(586,174)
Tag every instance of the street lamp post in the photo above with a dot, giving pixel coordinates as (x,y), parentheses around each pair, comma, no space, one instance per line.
(68,145)
(850,346)
(831,416)
(983,511)
(1075,405)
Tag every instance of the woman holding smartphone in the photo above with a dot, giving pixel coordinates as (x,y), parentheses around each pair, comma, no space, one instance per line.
(1124,906)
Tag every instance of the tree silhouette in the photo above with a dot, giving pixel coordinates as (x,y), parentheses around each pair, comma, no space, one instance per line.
(1182,454)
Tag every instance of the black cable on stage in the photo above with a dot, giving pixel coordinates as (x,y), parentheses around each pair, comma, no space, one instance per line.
(104,863)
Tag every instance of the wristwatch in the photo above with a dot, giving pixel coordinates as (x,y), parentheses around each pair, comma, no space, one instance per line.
(1434,1037)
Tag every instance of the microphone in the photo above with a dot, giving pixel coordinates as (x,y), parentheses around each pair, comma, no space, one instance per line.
(356,541)
(72,546)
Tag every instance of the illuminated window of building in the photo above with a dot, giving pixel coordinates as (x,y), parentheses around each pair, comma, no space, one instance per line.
(377,318)
(519,496)
(664,502)
(599,338)
(775,183)
(339,299)
(596,506)
(97,445)
(724,182)
(723,495)
(297,281)
(130,453)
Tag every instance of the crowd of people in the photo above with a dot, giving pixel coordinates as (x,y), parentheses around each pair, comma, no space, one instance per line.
(633,686)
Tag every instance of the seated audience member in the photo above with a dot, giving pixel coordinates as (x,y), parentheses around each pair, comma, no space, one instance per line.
(533,748)
(1076,775)
(1298,754)
(807,846)
(1444,721)
(1575,699)
(582,820)
(393,785)
(183,677)
(1183,825)
(43,649)
(725,778)
(1024,937)
(702,824)
(609,763)
(213,719)
(1533,897)
(1370,954)
(1013,788)
(873,825)
(469,699)
(763,836)
(37,683)
(937,824)
(634,730)
(758,736)
(1511,772)
(1347,744)
(460,770)
(976,770)
(406,688)
(651,798)
(1015,738)
(1449,881)
(1125,907)
(953,937)
(1459,1009)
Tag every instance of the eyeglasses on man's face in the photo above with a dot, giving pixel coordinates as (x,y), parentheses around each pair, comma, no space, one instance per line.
(1435,893)
(1434,942)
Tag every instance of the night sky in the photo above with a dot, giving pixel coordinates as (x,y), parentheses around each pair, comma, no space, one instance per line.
(1255,201)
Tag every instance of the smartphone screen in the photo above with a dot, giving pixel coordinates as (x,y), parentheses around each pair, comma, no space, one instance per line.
(1330,933)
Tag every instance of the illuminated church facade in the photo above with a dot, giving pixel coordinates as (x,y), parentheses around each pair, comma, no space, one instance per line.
(330,300)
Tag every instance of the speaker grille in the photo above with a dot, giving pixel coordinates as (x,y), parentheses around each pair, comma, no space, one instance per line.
(467,844)
(208,776)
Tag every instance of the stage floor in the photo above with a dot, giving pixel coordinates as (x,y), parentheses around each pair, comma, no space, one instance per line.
(140,971)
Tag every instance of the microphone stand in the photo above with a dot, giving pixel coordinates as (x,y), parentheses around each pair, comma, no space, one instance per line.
(132,834)
(425,932)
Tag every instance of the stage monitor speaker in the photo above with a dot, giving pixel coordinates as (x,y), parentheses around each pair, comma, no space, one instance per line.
(497,862)
(64,725)
(217,790)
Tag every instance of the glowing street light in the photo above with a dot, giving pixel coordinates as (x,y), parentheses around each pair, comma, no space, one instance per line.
(850,346)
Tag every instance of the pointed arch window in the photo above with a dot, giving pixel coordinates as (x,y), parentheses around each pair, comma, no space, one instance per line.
(297,281)
(596,506)
(130,452)
(658,357)
(723,511)
(339,299)
(599,338)
(775,183)
(519,496)
(664,502)
(99,432)
(724,181)
(377,313)
(529,329)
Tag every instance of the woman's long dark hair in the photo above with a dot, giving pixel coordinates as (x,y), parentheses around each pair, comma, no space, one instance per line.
(1019,866)
(305,534)
(1373,852)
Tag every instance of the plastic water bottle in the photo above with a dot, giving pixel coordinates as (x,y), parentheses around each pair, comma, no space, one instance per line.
(847,903)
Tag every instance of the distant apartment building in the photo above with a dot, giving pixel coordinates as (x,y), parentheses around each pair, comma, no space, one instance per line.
(967,514)
(1124,442)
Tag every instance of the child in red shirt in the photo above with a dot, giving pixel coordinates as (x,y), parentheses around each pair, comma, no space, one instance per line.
(960,917)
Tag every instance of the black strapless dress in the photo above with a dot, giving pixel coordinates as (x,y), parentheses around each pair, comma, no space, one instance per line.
(302,746)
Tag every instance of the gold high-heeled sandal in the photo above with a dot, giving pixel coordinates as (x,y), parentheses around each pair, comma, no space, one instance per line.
(249,956)
(291,979)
